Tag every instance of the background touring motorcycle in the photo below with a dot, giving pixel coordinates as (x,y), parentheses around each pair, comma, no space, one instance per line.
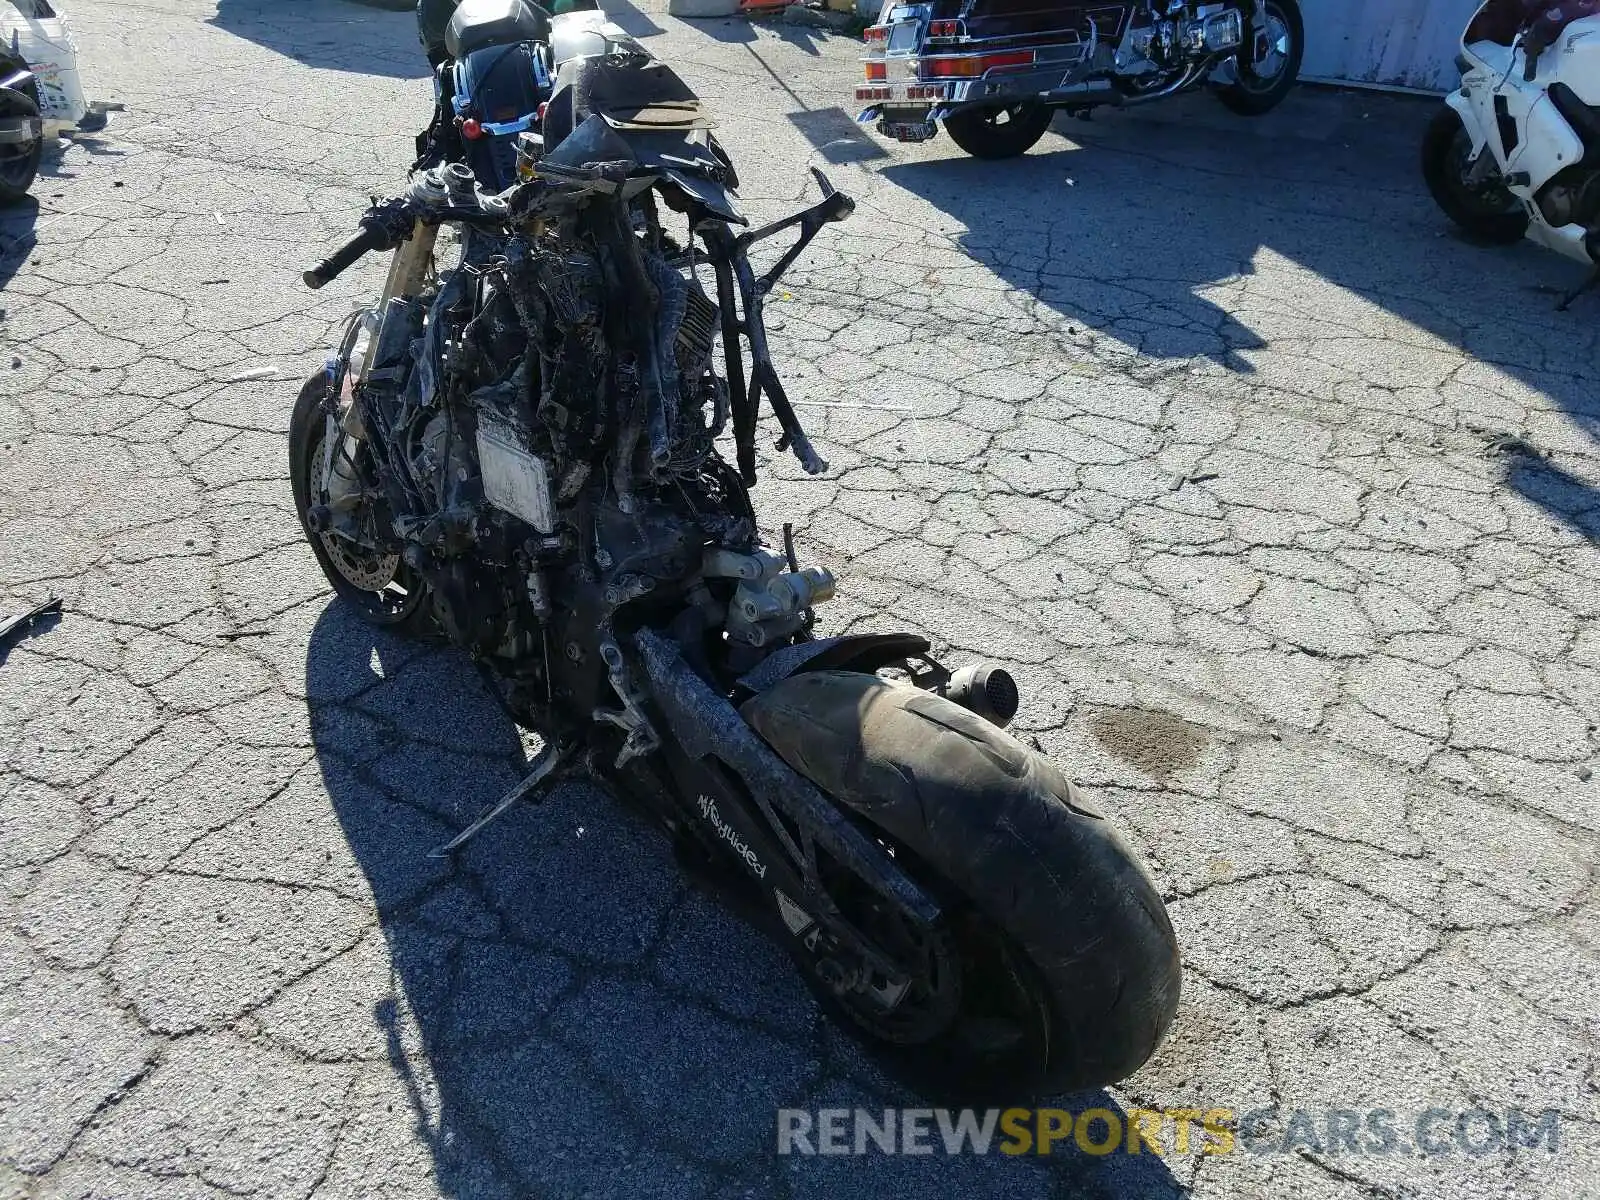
(994,72)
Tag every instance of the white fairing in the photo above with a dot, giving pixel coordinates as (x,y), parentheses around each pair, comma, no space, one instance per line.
(1545,143)
(51,52)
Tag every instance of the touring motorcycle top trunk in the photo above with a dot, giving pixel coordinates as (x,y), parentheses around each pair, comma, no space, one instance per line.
(527,453)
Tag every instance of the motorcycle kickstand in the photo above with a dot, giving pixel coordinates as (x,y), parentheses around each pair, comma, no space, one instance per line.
(1587,285)
(550,758)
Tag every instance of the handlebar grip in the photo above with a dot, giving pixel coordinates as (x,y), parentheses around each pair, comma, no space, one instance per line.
(343,258)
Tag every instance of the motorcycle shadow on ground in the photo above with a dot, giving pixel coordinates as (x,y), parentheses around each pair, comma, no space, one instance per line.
(1130,233)
(364,37)
(17,222)
(567,1015)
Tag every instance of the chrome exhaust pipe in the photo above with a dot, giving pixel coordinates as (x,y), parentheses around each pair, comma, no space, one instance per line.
(1194,72)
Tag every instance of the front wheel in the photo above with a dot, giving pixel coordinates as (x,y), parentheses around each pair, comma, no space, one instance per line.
(19,160)
(1055,967)
(998,132)
(1269,61)
(381,588)
(1485,209)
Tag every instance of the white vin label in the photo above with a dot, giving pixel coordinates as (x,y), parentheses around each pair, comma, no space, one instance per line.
(514,479)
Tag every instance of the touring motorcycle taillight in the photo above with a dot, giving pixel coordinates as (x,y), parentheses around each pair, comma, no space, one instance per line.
(973,65)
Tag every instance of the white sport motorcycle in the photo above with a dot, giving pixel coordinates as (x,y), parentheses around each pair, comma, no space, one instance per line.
(1516,151)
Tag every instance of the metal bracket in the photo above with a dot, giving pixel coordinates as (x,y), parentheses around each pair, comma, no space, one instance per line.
(551,757)
(642,737)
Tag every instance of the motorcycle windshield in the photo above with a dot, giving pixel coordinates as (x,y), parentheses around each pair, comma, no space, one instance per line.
(1499,20)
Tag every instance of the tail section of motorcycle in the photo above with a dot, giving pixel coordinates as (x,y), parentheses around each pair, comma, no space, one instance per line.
(944,889)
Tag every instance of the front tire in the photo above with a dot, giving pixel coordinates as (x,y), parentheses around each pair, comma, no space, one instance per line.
(381,588)
(19,162)
(1056,968)
(999,132)
(1269,62)
(1486,211)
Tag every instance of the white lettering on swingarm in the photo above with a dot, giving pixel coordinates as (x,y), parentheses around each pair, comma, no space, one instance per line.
(708,810)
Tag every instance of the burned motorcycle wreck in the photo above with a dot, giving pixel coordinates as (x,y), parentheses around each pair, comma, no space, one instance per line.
(525,451)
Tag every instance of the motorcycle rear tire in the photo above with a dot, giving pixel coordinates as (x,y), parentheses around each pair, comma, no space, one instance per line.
(405,611)
(1442,171)
(981,134)
(1253,97)
(1003,836)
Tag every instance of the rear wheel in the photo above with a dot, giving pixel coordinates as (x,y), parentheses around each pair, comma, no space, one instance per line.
(381,588)
(1485,209)
(1269,61)
(999,132)
(1055,967)
(19,161)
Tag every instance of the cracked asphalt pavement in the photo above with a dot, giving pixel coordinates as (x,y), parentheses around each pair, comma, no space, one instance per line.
(1280,501)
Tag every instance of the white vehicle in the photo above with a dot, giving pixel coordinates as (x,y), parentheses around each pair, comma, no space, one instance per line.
(1516,151)
(41,95)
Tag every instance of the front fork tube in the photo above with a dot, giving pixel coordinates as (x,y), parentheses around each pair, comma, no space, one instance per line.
(408,269)
(408,272)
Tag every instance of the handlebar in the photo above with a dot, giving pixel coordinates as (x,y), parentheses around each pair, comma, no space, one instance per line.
(342,259)
(383,227)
